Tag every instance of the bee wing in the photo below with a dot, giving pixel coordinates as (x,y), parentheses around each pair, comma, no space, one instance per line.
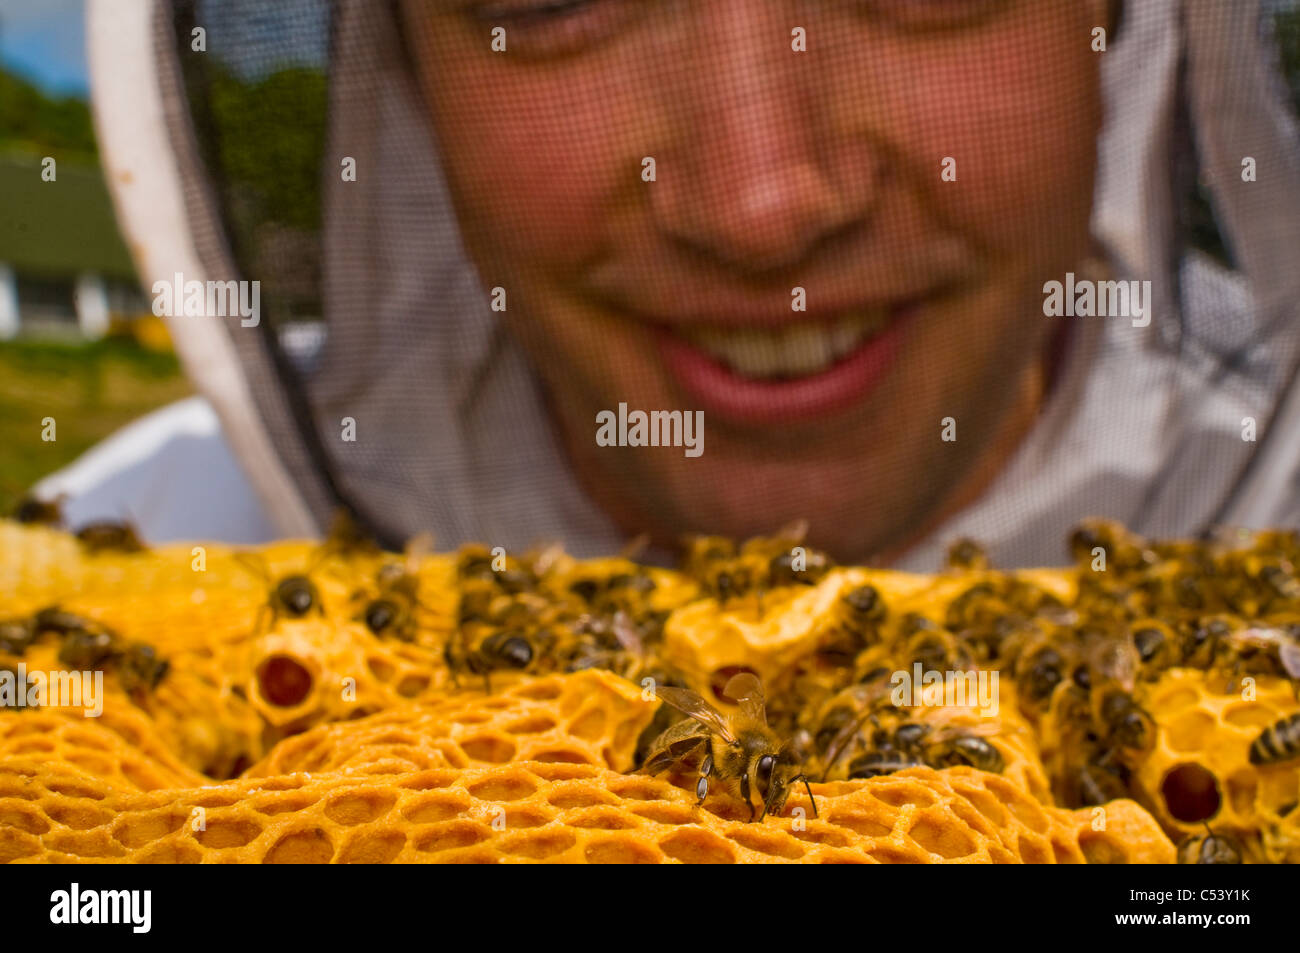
(794,532)
(689,703)
(417,547)
(1289,655)
(255,564)
(835,750)
(626,633)
(1117,659)
(747,690)
(866,695)
(980,729)
(543,557)
(1260,637)
(635,547)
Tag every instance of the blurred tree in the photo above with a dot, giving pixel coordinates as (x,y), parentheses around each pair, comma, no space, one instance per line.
(272,132)
(31,121)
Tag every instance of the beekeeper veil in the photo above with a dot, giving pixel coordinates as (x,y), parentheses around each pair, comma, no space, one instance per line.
(387,371)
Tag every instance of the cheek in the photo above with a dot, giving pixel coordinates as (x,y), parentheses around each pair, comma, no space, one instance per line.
(1017,108)
(1027,134)
(534,162)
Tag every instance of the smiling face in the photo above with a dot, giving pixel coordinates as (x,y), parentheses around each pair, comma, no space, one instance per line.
(775,170)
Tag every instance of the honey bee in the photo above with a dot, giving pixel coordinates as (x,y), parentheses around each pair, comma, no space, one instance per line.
(1127,725)
(1084,768)
(392,611)
(139,667)
(966,555)
(858,615)
(348,538)
(1278,742)
(937,650)
(1039,669)
(1263,650)
(63,623)
(1097,781)
(500,649)
(1259,582)
(108,536)
(1112,675)
(294,595)
(608,642)
(474,561)
(843,717)
(477,599)
(87,648)
(1157,646)
(32,511)
(790,563)
(1205,640)
(1125,551)
(16,635)
(975,605)
(881,761)
(714,563)
(1210,849)
(740,751)
(937,744)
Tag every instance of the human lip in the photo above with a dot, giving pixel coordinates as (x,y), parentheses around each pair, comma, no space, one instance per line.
(764,375)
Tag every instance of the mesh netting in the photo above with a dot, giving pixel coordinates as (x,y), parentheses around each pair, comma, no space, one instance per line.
(827,234)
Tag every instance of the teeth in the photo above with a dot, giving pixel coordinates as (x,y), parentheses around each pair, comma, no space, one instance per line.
(749,352)
(807,349)
(796,351)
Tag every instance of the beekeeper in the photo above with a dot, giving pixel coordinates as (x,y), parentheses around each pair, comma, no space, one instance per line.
(829,230)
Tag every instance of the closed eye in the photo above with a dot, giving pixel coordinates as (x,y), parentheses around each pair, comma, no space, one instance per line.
(933,14)
(554,28)
(522,12)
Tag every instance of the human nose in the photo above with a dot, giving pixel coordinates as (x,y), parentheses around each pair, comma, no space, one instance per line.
(749,183)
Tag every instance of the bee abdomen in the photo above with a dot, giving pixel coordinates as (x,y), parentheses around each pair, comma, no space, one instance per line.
(875,763)
(1278,742)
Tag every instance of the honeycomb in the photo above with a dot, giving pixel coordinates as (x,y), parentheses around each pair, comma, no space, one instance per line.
(537,811)
(590,717)
(1200,769)
(280,735)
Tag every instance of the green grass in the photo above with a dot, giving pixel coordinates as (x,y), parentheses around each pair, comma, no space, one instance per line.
(90,389)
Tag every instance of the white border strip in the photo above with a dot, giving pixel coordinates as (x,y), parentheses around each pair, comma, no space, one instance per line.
(145,183)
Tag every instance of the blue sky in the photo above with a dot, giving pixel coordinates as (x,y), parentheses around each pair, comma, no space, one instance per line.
(45,42)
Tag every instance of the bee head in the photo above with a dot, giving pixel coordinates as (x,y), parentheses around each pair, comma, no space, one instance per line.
(774,774)
(379,615)
(297,594)
(512,650)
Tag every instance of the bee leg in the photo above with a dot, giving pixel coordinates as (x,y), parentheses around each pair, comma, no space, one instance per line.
(658,764)
(487,683)
(744,792)
(702,787)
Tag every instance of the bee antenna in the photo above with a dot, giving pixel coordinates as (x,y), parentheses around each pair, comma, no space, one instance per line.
(841,742)
(254,563)
(322,552)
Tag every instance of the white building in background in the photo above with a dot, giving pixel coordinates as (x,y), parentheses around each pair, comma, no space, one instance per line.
(64,270)
(9,323)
